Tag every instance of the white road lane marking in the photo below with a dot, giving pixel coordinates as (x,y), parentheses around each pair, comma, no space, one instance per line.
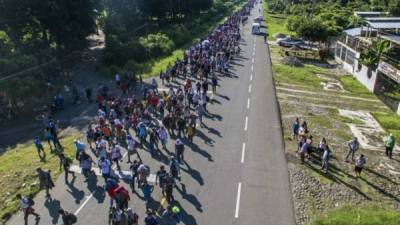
(123,174)
(252,60)
(251,76)
(84,203)
(248,103)
(250,88)
(238,200)
(91,194)
(246,123)
(252,68)
(243,152)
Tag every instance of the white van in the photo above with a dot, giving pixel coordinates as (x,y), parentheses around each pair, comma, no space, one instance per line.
(255,28)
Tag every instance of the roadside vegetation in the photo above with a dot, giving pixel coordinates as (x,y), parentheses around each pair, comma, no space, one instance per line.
(351,215)
(18,172)
(318,93)
(149,40)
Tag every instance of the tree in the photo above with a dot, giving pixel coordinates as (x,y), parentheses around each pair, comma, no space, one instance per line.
(394,7)
(371,56)
(313,30)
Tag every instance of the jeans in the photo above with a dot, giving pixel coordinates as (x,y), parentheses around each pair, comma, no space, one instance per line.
(350,152)
(325,165)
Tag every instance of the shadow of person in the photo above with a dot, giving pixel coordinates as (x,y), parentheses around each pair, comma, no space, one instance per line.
(98,191)
(185,217)
(196,149)
(189,197)
(153,205)
(206,139)
(194,173)
(76,193)
(53,205)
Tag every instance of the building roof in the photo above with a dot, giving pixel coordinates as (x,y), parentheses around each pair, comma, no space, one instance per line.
(382,19)
(391,38)
(356,31)
(384,25)
(369,14)
(353,31)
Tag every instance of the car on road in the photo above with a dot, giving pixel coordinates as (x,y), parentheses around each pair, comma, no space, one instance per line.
(290,42)
(256,28)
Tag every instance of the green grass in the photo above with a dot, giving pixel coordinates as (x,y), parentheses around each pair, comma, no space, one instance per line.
(162,64)
(352,85)
(390,122)
(18,175)
(355,215)
(276,23)
(298,75)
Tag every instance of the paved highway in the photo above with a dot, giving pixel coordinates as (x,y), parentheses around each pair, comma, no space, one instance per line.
(236,171)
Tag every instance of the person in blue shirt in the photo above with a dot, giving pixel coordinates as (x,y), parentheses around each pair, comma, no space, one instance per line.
(39,147)
(296,127)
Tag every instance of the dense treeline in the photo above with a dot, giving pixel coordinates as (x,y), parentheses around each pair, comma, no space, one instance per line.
(317,20)
(36,35)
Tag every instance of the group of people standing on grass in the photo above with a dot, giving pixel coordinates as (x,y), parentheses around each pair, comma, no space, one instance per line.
(131,123)
(306,148)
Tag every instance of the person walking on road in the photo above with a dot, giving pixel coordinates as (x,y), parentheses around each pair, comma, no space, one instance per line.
(65,162)
(26,205)
(45,181)
(160,177)
(390,142)
(147,189)
(179,150)
(169,188)
(134,172)
(105,167)
(67,217)
(353,147)
(132,145)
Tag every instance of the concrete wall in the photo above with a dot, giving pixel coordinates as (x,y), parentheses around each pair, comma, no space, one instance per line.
(398,110)
(362,77)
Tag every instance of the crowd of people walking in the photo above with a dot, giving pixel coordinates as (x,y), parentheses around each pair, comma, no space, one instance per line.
(148,121)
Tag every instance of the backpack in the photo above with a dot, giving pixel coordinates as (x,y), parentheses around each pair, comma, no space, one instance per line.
(70,218)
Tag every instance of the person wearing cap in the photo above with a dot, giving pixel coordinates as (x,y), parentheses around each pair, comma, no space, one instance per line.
(390,142)
(179,149)
(353,147)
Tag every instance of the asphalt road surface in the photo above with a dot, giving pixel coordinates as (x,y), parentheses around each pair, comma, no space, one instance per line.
(236,171)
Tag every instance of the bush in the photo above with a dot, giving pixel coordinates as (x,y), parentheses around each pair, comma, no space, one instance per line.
(158,44)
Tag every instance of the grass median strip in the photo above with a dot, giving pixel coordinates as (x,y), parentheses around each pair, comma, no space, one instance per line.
(356,215)
(18,175)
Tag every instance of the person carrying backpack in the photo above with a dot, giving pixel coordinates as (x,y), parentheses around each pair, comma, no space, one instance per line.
(26,204)
(67,217)
(132,218)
